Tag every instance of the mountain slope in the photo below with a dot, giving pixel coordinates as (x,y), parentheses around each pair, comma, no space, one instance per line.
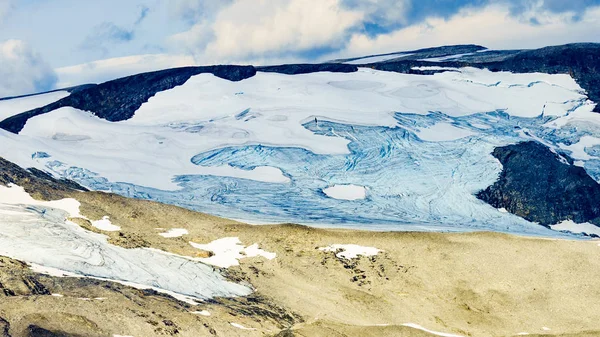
(413,137)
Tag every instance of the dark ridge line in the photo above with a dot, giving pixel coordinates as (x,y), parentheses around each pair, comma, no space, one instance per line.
(69,89)
(296,69)
(581,61)
(440,51)
(117,100)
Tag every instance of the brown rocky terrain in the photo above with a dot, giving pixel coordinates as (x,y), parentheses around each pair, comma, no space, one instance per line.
(476,284)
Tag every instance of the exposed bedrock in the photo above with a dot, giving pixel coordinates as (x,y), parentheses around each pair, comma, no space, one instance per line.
(542,186)
(295,69)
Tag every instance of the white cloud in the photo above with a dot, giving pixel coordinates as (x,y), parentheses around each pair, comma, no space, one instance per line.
(195,11)
(22,70)
(105,70)
(253,28)
(382,12)
(5,7)
(492,26)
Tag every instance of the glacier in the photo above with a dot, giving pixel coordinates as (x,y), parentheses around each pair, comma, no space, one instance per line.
(264,149)
(39,233)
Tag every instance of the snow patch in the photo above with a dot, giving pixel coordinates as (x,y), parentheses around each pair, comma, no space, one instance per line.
(346,192)
(105,225)
(174,233)
(41,235)
(228,251)
(436,333)
(350,251)
(201,313)
(239,326)
(434,68)
(577,228)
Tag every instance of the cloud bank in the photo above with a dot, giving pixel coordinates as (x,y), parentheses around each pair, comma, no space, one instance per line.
(22,70)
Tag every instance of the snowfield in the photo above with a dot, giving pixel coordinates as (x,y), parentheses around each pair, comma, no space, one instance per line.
(292,148)
(38,233)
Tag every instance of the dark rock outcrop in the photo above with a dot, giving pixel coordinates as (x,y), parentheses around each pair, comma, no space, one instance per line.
(422,53)
(36,331)
(4,328)
(295,69)
(36,182)
(542,186)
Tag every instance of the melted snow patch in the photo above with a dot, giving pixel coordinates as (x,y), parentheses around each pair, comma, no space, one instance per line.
(346,192)
(228,251)
(174,233)
(351,251)
(105,225)
(418,327)
(577,228)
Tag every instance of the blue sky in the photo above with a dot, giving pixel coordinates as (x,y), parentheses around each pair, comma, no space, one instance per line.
(41,39)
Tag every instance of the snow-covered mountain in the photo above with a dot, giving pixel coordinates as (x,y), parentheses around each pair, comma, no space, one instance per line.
(455,138)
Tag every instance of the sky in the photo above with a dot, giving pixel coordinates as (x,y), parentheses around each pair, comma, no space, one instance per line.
(48,44)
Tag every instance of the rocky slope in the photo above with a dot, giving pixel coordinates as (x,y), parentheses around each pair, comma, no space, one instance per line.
(445,283)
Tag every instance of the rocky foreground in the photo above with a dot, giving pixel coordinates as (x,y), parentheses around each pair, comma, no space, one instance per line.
(478,284)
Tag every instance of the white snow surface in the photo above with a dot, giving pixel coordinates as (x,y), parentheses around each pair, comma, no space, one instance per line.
(105,225)
(442,132)
(174,233)
(228,251)
(346,192)
(14,106)
(351,251)
(425,68)
(375,59)
(209,113)
(581,228)
(37,232)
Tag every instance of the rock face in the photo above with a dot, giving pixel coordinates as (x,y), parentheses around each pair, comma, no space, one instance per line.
(37,183)
(294,69)
(542,186)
